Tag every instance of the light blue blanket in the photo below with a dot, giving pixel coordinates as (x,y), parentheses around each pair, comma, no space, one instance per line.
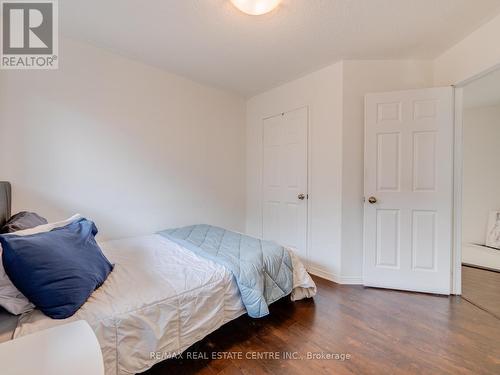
(263,269)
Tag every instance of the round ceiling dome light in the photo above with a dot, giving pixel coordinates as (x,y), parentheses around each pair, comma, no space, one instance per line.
(255,7)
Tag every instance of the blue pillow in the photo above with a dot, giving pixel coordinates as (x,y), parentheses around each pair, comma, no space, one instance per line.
(57,270)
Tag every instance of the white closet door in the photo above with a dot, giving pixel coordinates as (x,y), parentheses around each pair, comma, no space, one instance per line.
(409,190)
(285,179)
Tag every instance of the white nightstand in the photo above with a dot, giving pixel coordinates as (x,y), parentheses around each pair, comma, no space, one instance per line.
(67,349)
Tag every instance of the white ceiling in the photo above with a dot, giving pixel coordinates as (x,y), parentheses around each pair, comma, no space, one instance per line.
(483,92)
(211,42)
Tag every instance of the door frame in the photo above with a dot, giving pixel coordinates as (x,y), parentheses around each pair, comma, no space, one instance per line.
(308,177)
(456,277)
(456,256)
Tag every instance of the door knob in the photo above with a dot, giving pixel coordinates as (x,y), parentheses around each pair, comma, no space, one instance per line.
(301,197)
(372,200)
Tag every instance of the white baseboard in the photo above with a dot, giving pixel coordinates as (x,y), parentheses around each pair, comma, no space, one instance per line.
(323,274)
(347,280)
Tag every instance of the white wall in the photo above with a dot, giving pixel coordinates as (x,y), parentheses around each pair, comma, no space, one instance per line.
(145,149)
(473,55)
(341,257)
(322,92)
(481,171)
(335,96)
(133,147)
(361,77)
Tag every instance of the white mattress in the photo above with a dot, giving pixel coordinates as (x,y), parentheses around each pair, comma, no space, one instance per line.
(159,298)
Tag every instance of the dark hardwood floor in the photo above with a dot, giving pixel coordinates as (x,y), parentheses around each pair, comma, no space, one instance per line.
(482,288)
(383,332)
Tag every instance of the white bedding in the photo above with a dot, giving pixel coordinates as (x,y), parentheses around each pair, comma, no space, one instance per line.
(160,298)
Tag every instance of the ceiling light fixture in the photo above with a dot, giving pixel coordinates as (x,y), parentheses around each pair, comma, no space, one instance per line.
(255,7)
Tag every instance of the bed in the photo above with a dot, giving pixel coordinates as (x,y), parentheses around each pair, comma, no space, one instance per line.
(159,300)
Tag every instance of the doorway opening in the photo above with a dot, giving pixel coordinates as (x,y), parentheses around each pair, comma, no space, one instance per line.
(477,191)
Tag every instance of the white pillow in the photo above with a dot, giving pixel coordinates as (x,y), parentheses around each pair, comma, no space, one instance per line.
(12,299)
(46,227)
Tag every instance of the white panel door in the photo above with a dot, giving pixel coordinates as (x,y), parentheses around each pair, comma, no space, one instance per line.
(284,207)
(409,190)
